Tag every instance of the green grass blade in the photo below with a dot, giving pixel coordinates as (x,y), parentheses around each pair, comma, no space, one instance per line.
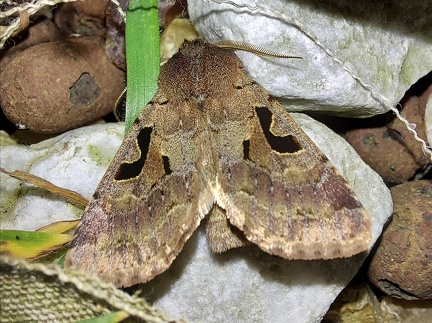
(108,318)
(142,56)
(31,245)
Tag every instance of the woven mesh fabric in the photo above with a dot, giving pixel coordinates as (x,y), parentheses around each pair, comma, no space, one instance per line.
(46,293)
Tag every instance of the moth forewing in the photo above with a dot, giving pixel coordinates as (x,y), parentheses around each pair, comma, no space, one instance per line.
(212,140)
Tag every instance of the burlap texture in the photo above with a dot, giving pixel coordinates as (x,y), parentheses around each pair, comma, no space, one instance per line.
(31,292)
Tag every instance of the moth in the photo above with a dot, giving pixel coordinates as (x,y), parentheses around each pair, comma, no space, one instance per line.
(212,143)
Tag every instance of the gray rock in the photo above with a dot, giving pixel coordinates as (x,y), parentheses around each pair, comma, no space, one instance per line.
(75,160)
(359,58)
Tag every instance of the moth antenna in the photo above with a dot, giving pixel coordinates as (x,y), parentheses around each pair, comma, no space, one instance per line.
(240,45)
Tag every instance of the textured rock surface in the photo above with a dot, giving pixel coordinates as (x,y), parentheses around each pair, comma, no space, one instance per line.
(358,303)
(387,46)
(38,32)
(75,160)
(398,310)
(82,85)
(241,285)
(386,145)
(402,263)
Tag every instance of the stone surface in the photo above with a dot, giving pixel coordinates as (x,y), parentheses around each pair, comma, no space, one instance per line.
(82,85)
(174,35)
(241,285)
(386,46)
(6,140)
(403,311)
(75,160)
(82,18)
(356,303)
(386,145)
(402,264)
(41,31)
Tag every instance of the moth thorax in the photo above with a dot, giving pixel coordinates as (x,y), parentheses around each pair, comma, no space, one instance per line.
(200,101)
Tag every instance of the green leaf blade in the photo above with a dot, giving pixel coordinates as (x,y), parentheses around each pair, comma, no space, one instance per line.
(142,56)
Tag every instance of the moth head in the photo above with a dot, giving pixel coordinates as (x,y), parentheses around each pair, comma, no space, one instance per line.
(199,70)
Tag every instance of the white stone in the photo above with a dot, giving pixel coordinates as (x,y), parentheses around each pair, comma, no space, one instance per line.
(242,285)
(386,45)
(75,160)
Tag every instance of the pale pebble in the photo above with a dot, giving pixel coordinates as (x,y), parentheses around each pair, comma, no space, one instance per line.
(75,160)
(388,47)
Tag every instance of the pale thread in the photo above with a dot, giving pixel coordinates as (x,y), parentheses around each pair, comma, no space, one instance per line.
(302,28)
(411,128)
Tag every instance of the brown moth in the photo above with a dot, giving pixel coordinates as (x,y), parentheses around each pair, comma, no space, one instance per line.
(213,142)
